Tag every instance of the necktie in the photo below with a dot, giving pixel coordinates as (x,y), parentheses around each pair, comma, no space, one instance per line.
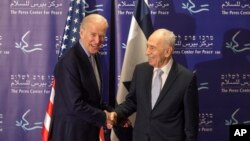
(94,66)
(93,63)
(156,87)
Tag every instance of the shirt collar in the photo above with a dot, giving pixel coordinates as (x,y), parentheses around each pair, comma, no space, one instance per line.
(85,50)
(166,68)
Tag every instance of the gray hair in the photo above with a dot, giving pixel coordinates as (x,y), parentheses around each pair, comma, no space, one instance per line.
(168,36)
(97,18)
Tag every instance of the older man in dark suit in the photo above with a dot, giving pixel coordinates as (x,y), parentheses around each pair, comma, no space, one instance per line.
(77,114)
(164,95)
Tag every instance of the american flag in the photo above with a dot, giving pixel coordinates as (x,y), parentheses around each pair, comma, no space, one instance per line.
(47,120)
(76,13)
(71,31)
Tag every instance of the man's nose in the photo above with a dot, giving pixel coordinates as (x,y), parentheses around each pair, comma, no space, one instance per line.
(97,39)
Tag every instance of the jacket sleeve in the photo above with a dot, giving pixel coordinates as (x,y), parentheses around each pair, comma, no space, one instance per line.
(128,107)
(191,110)
(78,100)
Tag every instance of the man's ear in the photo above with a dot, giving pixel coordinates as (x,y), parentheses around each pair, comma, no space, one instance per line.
(168,52)
(81,32)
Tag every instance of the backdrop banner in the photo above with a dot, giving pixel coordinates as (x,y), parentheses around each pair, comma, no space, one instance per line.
(212,40)
(31,33)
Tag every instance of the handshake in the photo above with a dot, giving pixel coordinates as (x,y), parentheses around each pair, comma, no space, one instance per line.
(111,120)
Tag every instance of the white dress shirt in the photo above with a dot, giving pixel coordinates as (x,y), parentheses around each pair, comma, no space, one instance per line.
(166,69)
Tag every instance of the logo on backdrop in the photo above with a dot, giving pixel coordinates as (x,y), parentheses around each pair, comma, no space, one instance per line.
(1,122)
(235,45)
(30,83)
(233,119)
(206,122)
(195,44)
(104,47)
(235,8)
(26,125)
(25,47)
(31,7)
(124,45)
(58,43)
(1,38)
(235,83)
(203,85)
(158,7)
(3,51)
(193,9)
(98,7)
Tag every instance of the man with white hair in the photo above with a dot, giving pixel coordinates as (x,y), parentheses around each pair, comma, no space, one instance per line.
(163,93)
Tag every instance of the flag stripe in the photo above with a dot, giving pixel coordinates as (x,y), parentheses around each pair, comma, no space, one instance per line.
(143,17)
(45,134)
(47,121)
(52,95)
(48,115)
(50,108)
(101,134)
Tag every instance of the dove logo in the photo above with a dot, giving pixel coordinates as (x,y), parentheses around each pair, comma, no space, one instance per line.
(97,8)
(26,125)
(203,86)
(234,121)
(236,46)
(193,9)
(124,45)
(25,47)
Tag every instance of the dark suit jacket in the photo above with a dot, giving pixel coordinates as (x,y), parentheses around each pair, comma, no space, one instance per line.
(175,114)
(77,114)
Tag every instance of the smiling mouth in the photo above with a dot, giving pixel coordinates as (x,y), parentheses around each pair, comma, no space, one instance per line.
(94,47)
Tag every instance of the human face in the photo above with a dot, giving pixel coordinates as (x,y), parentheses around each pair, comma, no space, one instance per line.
(92,36)
(158,53)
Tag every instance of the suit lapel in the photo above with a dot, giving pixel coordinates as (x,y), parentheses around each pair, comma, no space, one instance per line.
(148,85)
(169,82)
(89,69)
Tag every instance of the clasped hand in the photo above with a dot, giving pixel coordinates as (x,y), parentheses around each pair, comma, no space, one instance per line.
(112,120)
